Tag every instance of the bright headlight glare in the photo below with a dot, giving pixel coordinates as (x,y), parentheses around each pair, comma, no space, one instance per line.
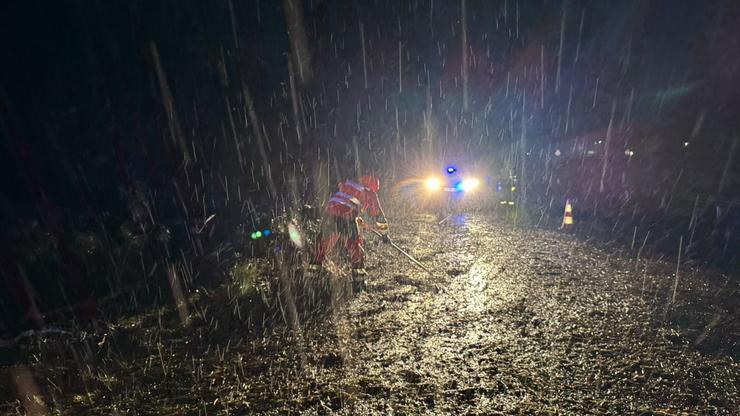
(469,184)
(432,184)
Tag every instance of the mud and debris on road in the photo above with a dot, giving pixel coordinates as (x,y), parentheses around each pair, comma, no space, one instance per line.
(515,321)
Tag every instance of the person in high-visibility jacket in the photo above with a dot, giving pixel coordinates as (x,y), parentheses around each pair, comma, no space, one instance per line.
(342,220)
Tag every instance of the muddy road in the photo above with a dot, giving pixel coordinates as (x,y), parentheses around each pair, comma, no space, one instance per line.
(516,321)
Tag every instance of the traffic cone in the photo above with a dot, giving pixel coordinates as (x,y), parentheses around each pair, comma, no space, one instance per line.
(567,217)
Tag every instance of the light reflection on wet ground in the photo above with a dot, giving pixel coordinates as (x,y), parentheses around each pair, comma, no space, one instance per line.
(526,321)
(516,321)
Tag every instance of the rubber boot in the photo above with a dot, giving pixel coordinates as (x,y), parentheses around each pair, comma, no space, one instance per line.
(359,275)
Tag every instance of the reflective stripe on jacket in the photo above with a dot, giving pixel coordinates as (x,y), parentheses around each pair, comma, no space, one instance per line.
(352,199)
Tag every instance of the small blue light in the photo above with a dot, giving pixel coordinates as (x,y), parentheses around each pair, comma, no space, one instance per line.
(451,169)
(266,232)
(459,186)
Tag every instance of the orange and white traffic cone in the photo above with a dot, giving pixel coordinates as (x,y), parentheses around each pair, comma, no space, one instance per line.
(567,217)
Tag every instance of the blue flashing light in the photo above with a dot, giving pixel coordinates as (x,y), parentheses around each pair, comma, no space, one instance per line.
(451,169)
(459,187)
(266,232)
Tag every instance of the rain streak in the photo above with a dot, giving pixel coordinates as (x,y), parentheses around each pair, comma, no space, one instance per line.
(370,207)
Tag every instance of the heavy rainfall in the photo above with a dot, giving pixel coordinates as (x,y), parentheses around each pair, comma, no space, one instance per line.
(370,207)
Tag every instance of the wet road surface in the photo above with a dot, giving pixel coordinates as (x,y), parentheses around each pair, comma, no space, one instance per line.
(516,321)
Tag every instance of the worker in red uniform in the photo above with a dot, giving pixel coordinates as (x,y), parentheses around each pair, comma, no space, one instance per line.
(342,221)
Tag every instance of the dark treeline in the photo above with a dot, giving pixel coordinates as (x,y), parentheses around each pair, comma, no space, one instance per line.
(140,137)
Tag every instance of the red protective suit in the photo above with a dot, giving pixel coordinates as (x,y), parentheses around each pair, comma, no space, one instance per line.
(339,222)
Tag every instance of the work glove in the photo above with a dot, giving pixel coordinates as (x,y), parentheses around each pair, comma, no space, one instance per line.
(362,224)
(382,228)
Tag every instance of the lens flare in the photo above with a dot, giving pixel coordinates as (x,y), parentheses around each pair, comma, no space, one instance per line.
(295,235)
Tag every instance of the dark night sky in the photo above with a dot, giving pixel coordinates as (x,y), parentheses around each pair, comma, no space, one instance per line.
(78,77)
